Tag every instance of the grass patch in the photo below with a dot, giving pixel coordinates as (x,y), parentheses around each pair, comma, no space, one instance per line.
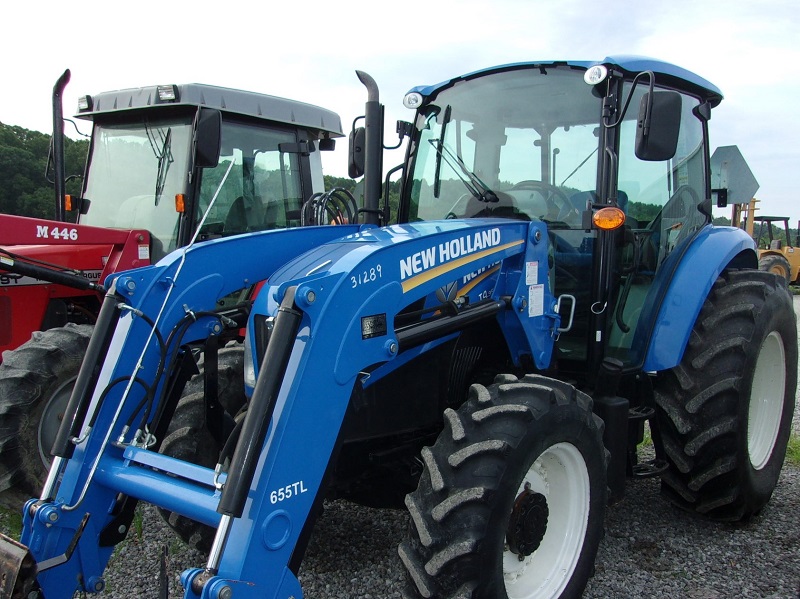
(11,522)
(793,450)
(647,441)
(138,524)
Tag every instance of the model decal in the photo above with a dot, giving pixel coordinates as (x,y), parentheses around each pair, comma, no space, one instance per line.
(43,232)
(432,262)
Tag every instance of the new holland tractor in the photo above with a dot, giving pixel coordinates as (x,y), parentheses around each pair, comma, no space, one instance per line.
(486,356)
(156,159)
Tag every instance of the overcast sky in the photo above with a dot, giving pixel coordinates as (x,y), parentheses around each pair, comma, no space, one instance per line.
(308,50)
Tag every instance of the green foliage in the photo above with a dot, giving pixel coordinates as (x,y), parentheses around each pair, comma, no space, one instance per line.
(644,213)
(341,182)
(10,521)
(793,450)
(25,190)
(138,524)
(762,237)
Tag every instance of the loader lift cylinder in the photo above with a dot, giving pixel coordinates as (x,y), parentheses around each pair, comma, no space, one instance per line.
(80,397)
(262,404)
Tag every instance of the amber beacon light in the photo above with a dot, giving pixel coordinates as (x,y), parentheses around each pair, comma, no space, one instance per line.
(608,218)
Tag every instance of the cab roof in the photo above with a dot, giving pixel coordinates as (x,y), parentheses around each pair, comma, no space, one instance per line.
(666,74)
(232,101)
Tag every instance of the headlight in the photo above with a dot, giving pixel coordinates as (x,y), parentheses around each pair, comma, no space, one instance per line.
(262,329)
(249,364)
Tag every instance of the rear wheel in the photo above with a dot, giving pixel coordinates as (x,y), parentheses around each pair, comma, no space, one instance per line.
(725,412)
(776,264)
(512,496)
(36,381)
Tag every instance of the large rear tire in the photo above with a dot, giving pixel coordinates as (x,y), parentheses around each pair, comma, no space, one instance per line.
(36,381)
(725,411)
(512,496)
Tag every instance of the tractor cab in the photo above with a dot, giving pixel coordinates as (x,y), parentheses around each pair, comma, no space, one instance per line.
(159,155)
(612,156)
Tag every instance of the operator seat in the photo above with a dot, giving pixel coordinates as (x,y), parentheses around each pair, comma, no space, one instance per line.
(236,219)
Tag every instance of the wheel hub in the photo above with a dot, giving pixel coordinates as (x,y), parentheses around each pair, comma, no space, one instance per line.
(528,523)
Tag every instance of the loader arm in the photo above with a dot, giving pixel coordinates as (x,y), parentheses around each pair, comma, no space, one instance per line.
(334,294)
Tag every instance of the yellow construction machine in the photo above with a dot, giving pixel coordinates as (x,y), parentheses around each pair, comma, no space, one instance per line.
(775,254)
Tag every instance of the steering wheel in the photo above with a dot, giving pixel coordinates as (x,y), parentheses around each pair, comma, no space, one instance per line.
(559,207)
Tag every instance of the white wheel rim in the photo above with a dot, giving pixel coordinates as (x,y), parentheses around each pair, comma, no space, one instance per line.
(51,418)
(560,474)
(766,400)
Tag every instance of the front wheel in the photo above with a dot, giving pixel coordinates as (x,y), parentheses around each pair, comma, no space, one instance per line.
(512,497)
(725,411)
(36,382)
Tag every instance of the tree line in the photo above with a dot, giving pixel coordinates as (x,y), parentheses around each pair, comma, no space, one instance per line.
(25,189)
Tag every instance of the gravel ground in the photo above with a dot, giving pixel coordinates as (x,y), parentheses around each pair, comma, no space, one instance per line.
(650,550)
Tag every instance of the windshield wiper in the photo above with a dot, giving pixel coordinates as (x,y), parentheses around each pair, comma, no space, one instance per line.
(164,156)
(437,173)
(476,187)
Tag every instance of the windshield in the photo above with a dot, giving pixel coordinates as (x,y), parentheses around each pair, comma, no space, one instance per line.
(519,144)
(263,189)
(134,172)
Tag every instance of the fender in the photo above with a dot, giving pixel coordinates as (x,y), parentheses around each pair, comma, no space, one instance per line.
(709,253)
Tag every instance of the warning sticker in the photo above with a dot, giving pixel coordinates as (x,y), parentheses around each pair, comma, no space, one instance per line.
(535,300)
(532,273)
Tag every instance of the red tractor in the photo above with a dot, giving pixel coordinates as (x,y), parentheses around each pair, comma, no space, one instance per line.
(158,157)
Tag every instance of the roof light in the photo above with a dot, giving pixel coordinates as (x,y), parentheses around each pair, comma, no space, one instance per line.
(412,100)
(84,103)
(608,218)
(167,93)
(596,74)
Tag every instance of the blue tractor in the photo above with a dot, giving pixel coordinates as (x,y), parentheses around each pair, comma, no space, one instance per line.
(485,350)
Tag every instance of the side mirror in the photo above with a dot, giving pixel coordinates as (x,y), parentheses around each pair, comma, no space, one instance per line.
(355,152)
(658,126)
(207,137)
